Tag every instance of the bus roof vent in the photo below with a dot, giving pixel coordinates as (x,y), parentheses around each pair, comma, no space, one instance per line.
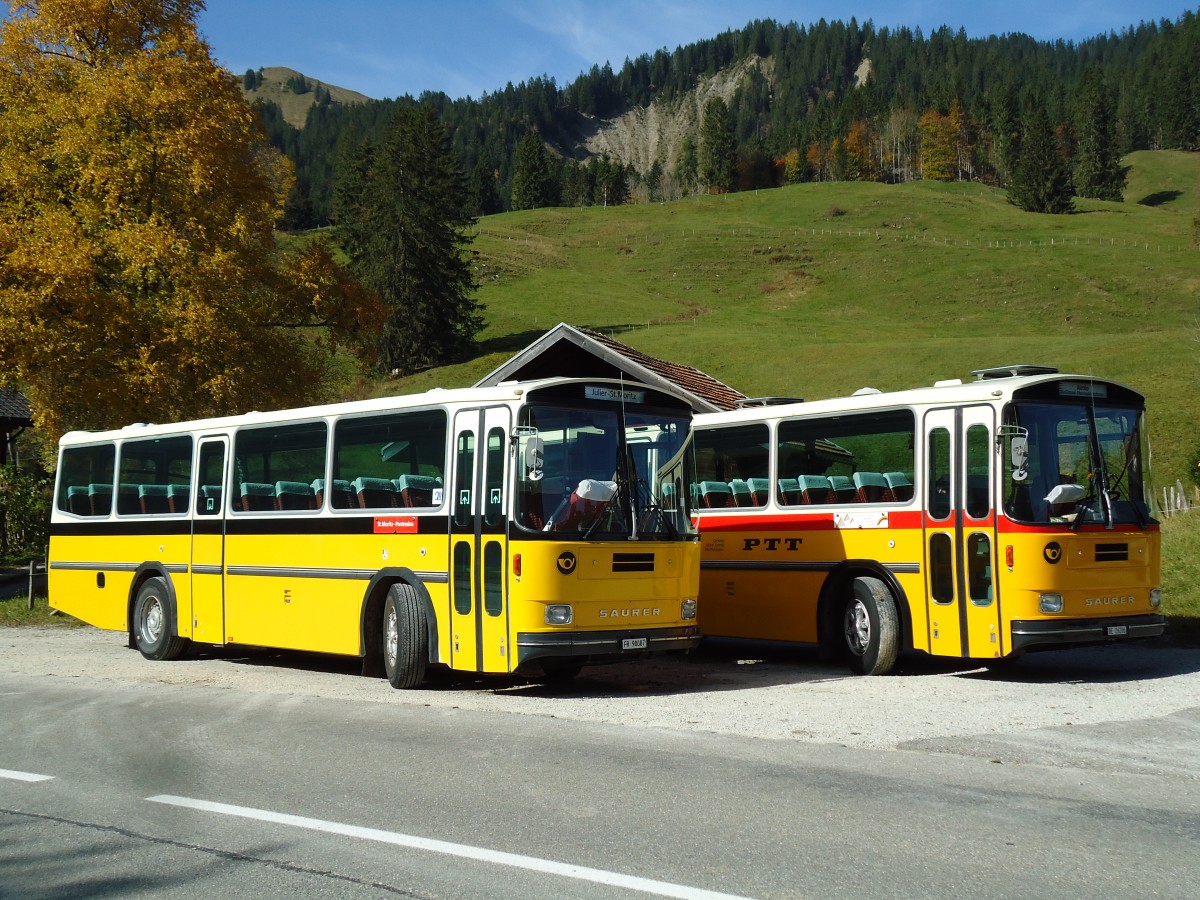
(747,402)
(1013,371)
(948,382)
(865,391)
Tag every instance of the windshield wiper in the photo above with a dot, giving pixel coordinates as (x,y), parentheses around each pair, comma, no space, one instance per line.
(1086,505)
(614,508)
(652,515)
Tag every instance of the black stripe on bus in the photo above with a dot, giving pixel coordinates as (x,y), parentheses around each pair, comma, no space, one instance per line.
(62,566)
(332,574)
(329,524)
(238,526)
(429,577)
(749,565)
(106,528)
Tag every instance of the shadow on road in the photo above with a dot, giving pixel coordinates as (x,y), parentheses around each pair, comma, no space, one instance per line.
(736,665)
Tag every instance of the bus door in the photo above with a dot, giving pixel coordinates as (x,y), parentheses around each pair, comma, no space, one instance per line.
(479,542)
(208,542)
(960,533)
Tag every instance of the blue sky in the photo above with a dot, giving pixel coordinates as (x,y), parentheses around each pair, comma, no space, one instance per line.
(388,48)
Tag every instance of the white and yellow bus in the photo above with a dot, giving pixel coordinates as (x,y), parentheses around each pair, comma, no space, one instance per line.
(975,520)
(529,528)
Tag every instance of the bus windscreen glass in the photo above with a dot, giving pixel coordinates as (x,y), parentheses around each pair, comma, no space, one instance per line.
(1074,463)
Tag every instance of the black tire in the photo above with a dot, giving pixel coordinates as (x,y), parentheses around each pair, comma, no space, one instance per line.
(152,623)
(561,671)
(405,637)
(870,627)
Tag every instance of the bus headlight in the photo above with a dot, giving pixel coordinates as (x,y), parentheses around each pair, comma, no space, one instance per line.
(1155,597)
(1050,603)
(558,614)
(687,609)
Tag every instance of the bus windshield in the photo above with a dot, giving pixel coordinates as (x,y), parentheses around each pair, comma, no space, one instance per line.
(604,472)
(1076,463)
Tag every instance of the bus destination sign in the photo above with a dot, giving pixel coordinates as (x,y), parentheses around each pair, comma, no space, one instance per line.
(617,395)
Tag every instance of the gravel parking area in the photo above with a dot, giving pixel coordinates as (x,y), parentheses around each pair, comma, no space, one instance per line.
(1073,705)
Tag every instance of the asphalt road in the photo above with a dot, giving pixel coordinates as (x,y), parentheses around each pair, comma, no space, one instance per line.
(156,789)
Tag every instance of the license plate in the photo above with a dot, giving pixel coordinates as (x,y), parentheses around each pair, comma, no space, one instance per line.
(1117,630)
(633,644)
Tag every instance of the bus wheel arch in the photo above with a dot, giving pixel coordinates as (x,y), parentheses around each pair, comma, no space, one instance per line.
(153,615)
(371,625)
(862,617)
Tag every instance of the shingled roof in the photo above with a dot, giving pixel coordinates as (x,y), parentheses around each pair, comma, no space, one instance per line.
(567,350)
(14,408)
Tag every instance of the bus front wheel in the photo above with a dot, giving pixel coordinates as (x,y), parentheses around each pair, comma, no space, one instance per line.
(870,626)
(152,623)
(405,637)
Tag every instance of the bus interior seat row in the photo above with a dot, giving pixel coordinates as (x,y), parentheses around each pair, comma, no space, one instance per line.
(407,491)
(132,499)
(806,490)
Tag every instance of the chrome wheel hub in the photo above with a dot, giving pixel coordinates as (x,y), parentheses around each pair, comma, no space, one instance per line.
(391,638)
(858,628)
(152,621)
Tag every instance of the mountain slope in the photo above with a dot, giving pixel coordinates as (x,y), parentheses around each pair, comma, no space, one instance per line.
(274,88)
(655,132)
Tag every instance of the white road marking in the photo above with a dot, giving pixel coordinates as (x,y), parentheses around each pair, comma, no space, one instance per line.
(24,776)
(531,863)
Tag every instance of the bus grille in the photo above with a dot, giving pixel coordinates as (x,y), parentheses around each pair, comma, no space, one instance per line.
(633,562)
(1112,552)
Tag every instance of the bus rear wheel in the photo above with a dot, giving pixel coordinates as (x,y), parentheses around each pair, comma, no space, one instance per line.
(152,623)
(405,637)
(870,627)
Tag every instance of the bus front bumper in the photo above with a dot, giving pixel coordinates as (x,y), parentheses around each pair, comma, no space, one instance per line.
(602,646)
(1055,632)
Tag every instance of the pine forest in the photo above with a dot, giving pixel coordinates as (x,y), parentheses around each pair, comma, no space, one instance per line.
(827,102)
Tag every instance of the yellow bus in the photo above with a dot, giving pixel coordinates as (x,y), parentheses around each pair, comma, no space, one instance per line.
(526,528)
(975,520)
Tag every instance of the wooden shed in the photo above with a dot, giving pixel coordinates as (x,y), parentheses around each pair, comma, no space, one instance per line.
(574,352)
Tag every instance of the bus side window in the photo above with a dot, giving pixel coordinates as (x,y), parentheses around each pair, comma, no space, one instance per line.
(387,461)
(149,470)
(276,466)
(736,458)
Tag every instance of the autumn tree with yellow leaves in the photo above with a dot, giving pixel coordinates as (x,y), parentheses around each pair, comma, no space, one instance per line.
(139,275)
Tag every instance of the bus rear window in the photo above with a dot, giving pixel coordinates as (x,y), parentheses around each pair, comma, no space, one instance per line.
(85,480)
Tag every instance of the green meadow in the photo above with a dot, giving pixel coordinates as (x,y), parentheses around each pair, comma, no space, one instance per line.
(816,290)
